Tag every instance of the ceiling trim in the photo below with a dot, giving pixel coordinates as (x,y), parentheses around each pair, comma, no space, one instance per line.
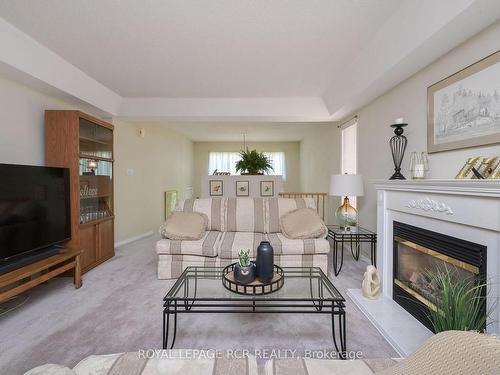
(226,109)
(418,33)
(24,54)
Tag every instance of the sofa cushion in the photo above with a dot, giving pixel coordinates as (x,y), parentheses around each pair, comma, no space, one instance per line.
(303,223)
(206,246)
(51,369)
(285,246)
(450,353)
(168,362)
(232,242)
(181,225)
(212,207)
(245,215)
(277,207)
(306,366)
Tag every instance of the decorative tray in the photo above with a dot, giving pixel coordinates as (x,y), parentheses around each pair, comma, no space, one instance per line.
(254,288)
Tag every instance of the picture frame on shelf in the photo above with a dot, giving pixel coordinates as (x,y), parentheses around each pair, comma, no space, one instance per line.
(267,188)
(216,188)
(463,110)
(242,188)
(480,168)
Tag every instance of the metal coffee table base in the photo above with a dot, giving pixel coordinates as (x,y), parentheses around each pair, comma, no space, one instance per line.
(188,303)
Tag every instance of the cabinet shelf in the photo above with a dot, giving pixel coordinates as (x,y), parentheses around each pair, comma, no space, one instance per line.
(109,195)
(97,221)
(92,140)
(94,157)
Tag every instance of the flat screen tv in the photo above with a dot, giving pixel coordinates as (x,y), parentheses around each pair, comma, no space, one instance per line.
(34,209)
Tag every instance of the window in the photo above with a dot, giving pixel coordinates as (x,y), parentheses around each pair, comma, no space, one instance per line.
(226,161)
(349,157)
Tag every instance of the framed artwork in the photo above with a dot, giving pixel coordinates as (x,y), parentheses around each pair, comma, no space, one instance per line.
(242,188)
(267,188)
(170,202)
(216,188)
(480,168)
(463,110)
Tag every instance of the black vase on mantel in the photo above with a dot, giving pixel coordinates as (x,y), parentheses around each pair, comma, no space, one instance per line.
(265,262)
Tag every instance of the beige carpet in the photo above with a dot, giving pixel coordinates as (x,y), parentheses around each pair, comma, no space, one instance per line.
(119,308)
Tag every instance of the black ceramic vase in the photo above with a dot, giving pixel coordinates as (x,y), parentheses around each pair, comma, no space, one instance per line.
(265,261)
(244,275)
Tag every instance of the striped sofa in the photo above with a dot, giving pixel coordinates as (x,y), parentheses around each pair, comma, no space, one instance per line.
(240,223)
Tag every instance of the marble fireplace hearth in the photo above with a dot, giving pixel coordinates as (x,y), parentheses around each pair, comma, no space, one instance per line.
(468,210)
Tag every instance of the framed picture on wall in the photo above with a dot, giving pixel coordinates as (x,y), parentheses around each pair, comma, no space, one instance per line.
(267,188)
(242,188)
(216,188)
(464,108)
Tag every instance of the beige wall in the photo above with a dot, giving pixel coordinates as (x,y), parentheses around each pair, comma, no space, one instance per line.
(320,158)
(409,100)
(291,150)
(22,122)
(144,169)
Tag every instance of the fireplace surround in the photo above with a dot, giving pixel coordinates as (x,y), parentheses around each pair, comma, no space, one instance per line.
(417,252)
(467,210)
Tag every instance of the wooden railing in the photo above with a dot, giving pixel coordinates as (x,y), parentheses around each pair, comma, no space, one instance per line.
(319,198)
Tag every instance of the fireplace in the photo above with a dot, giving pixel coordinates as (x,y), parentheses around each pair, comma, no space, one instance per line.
(416,252)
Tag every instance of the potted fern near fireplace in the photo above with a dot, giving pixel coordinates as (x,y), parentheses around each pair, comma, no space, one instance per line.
(461,303)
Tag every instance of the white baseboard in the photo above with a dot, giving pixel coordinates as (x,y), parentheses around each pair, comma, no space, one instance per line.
(132,239)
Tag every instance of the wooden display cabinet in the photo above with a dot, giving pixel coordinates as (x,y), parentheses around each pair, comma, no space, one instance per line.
(84,144)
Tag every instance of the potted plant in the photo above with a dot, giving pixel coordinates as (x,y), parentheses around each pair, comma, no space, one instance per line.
(244,270)
(460,304)
(253,162)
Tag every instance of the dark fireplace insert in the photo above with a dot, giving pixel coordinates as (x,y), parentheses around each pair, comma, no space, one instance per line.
(418,251)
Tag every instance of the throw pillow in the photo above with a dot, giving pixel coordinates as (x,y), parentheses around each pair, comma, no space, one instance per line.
(303,223)
(181,225)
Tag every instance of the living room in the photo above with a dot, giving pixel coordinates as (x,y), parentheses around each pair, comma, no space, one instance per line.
(141,114)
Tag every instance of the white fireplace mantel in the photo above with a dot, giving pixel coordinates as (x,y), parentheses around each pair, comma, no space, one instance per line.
(485,188)
(465,209)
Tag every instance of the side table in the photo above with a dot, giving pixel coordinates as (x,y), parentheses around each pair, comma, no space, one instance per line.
(355,237)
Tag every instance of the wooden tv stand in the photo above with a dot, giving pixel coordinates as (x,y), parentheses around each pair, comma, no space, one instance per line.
(43,270)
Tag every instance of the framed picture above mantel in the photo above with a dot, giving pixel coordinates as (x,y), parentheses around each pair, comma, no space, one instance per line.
(463,110)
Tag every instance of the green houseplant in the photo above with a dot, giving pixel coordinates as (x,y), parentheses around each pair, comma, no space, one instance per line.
(253,162)
(460,303)
(244,269)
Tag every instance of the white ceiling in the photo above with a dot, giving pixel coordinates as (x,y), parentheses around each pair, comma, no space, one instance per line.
(230,60)
(223,48)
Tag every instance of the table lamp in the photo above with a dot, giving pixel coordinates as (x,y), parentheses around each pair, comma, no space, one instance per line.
(346,185)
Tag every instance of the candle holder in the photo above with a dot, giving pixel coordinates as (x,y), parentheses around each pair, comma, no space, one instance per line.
(419,165)
(398,147)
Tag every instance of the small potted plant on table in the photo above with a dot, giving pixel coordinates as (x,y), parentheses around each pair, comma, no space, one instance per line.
(244,270)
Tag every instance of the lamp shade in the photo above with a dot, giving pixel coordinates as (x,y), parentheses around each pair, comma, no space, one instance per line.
(346,185)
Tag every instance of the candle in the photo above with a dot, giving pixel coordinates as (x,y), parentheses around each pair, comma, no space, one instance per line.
(419,171)
(399,120)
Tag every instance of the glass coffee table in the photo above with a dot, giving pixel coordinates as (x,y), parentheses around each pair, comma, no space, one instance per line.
(305,291)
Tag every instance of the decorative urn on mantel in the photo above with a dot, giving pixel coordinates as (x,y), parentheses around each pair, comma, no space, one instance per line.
(398,147)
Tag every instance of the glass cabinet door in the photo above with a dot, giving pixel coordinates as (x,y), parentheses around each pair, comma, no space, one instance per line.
(96,171)
(96,189)
(95,140)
